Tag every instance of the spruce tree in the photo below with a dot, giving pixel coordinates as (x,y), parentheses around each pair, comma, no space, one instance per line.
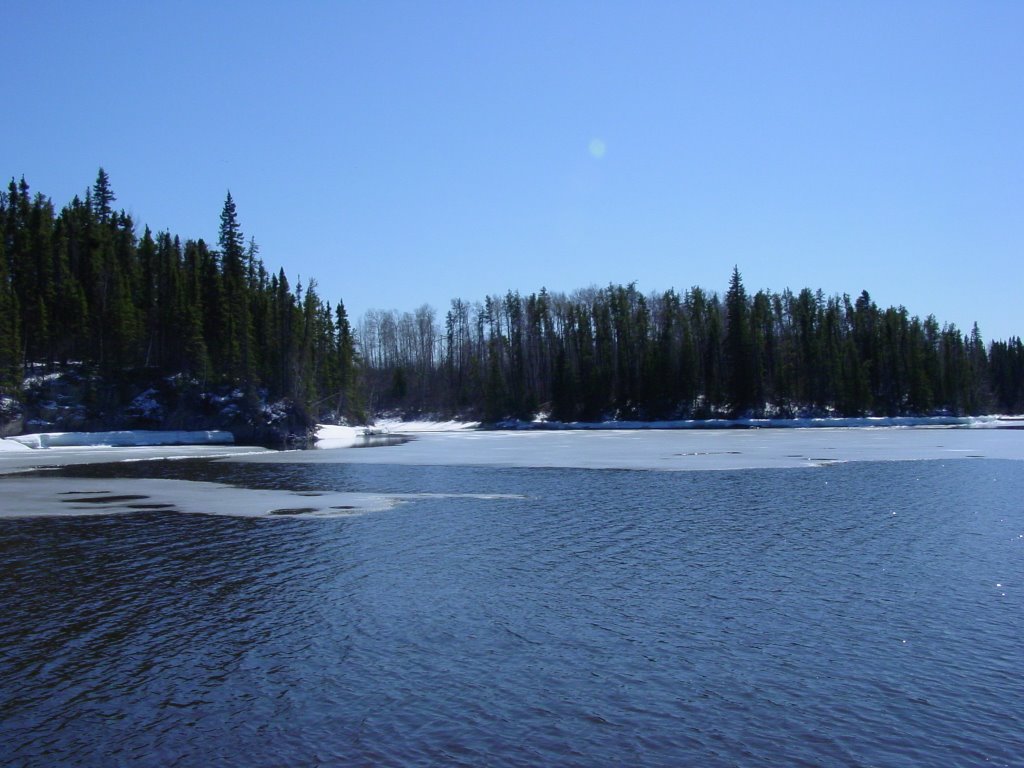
(10,344)
(738,346)
(346,360)
(102,197)
(234,273)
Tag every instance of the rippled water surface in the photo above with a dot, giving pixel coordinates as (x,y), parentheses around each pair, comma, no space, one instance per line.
(857,614)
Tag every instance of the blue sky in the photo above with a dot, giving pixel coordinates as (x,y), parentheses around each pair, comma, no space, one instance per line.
(411,152)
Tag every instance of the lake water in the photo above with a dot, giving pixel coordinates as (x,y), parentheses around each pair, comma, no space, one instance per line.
(853,614)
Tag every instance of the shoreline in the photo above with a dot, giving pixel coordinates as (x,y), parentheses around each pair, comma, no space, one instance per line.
(988,421)
(343,436)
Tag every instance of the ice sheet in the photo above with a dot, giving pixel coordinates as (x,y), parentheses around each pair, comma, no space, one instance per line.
(121,438)
(677,450)
(22,460)
(62,497)
(413,427)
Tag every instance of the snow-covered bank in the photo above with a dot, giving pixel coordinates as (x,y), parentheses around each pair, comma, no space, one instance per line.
(76,399)
(123,438)
(23,459)
(675,450)
(332,436)
(410,427)
(851,422)
(340,436)
(12,445)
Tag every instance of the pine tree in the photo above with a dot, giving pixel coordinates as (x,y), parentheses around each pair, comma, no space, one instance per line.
(102,197)
(234,273)
(346,361)
(738,346)
(10,343)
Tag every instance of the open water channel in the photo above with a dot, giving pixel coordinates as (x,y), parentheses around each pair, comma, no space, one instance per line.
(432,607)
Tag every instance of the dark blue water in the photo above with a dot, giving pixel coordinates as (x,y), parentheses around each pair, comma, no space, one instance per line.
(855,615)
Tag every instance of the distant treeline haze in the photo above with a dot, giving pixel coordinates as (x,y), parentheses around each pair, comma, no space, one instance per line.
(80,285)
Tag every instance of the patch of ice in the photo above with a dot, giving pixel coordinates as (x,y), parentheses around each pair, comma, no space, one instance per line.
(399,426)
(63,496)
(53,497)
(676,450)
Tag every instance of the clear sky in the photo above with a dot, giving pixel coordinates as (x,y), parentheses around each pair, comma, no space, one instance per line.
(411,152)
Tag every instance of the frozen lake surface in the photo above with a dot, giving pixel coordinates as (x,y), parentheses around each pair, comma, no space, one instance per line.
(686,449)
(520,599)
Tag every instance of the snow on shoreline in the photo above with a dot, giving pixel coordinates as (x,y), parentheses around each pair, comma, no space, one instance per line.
(12,445)
(338,436)
(854,422)
(672,450)
(407,427)
(341,436)
(126,438)
(331,436)
(620,449)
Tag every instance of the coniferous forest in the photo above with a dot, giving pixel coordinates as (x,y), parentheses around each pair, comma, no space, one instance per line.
(80,286)
(614,353)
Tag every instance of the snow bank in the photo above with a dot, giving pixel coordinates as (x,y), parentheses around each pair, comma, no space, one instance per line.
(406,427)
(997,422)
(12,445)
(337,436)
(25,459)
(798,423)
(124,438)
(675,450)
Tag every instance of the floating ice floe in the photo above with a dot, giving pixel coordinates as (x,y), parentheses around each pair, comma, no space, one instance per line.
(64,497)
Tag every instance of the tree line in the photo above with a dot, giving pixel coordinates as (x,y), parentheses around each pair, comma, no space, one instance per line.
(615,353)
(79,285)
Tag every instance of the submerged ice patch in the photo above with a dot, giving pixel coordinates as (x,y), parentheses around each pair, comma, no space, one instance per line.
(65,496)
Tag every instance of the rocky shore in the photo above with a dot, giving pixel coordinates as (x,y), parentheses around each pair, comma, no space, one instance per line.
(75,399)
